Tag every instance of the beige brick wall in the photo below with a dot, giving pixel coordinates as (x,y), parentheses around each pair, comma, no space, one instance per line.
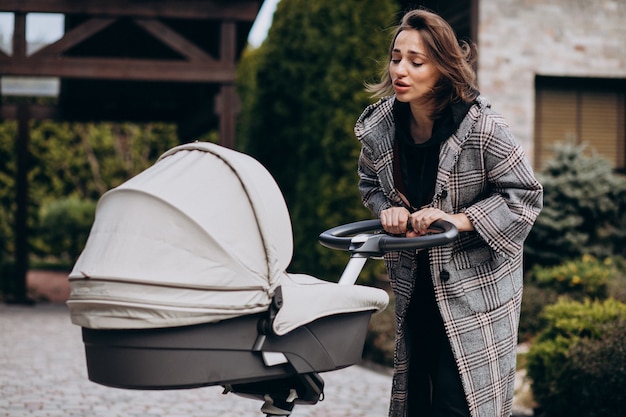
(519,39)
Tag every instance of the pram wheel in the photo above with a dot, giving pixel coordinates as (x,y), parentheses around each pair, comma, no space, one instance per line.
(281,395)
(279,406)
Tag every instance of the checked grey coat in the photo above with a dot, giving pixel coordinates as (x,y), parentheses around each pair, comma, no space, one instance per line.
(484,173)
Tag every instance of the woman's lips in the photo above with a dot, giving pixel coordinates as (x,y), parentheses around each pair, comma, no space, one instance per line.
(401,87)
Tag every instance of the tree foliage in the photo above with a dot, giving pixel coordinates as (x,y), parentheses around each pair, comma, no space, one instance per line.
(302,92)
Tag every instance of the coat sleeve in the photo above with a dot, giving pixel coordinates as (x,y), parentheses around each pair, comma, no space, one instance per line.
(369,183)
(506,215)
(375,131)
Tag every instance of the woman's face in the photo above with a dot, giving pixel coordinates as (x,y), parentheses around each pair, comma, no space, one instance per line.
(412,72)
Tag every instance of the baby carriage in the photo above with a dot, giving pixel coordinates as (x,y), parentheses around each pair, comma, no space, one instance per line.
(183,283)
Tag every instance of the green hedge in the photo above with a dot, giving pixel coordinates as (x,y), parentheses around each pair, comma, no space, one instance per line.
(65,226)
(567,326)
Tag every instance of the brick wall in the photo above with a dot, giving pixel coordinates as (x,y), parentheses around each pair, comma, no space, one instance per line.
(519,39)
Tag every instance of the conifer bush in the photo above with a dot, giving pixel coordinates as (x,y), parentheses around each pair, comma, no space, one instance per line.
(584,209)
(302,92)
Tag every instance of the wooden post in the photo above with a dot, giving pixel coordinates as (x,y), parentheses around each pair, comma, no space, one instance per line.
(227,103)
(226,107)
(19,295)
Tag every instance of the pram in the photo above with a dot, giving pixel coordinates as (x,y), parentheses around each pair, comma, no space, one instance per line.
(183,283)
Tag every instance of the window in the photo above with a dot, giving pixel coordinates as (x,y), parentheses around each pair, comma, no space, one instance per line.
(579,110)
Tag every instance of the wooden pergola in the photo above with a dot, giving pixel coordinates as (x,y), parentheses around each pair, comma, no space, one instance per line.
(140,61)
(128,60)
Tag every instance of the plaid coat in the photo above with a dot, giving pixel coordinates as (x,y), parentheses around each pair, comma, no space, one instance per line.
(484,173)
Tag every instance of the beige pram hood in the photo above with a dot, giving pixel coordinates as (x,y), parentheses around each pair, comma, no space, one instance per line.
(202,236)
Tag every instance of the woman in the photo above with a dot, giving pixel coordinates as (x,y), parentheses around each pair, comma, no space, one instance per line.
(433,149)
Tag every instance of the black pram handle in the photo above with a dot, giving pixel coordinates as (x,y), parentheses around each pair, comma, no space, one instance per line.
(378,242)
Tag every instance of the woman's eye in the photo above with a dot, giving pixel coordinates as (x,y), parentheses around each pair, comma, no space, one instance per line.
(395,61)
(416,64)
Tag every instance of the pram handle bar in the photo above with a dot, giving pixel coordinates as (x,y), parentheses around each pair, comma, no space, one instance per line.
(378,243)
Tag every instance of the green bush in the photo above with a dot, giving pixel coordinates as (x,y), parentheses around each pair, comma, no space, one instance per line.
(566,323)
(584,209)
(65,225)
(594,377)
(535,299)
(616,287)
(584,277)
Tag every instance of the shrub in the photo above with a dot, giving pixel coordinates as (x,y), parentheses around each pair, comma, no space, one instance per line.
(535,299)
(566,323)
(65,225)
(617,285)
(584,209)
(594,377)
(584,277)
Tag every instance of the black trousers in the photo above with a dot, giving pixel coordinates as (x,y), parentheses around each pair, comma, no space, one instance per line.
(435,388)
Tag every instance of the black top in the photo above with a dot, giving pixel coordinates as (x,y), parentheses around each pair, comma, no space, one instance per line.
(417,168)
(419,162)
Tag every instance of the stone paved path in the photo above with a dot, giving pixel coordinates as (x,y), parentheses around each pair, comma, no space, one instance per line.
(43,374)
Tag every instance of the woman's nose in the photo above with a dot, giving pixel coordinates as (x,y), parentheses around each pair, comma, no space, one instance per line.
(400,68)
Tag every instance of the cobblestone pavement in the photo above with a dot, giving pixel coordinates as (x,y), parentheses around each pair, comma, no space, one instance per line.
(43,374)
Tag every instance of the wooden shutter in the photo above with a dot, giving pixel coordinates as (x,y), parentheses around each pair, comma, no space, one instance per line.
(580,115)
(555,122)
(599,124)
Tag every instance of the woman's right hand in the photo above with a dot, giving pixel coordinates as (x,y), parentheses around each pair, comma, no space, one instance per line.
(394,220)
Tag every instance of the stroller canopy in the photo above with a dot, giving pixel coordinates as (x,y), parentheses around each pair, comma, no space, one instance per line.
(201,236)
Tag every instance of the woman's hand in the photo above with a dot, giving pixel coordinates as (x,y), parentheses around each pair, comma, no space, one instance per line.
(394,220)
(422,219)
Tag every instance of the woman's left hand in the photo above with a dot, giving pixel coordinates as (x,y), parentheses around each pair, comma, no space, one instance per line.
(422,219)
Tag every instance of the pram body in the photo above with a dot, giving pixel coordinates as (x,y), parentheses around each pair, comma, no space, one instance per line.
(183,283)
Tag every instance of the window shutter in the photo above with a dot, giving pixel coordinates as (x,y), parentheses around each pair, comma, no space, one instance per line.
(555,122)
(580,115)
(599,127)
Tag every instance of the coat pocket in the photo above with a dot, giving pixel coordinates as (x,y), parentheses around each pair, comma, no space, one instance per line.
(488,280)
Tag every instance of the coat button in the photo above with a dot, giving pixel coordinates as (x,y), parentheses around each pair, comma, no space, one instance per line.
(444,193)
(444,275)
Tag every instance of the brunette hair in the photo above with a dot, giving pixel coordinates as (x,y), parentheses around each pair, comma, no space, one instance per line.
(454,59)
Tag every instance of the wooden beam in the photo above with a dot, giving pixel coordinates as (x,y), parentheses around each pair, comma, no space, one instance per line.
(238,10)
(36,112)
(121,69)
(75,36)
(175,41)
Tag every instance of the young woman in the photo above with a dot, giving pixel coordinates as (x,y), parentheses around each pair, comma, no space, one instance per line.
(432,149)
